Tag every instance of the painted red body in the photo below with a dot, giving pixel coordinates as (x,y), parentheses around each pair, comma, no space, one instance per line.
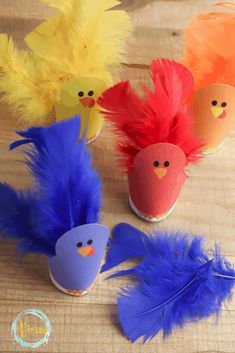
(157,178)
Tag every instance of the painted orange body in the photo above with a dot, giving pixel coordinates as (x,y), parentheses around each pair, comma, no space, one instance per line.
(214,110)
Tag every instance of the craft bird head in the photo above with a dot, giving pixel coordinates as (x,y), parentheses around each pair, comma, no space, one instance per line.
(82,92)
(160,117)
(160,162)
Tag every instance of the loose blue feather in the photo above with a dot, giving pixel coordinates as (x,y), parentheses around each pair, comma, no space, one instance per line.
(127,242)
(176,281)
(66,192)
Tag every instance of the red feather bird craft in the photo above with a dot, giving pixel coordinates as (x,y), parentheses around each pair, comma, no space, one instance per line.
(155,137)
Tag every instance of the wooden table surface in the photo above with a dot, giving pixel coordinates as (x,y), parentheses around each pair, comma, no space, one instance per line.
(206,206)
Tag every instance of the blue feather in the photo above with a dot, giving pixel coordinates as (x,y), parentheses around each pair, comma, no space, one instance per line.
(17,211)
(127,242)
(67,188)
(176,282)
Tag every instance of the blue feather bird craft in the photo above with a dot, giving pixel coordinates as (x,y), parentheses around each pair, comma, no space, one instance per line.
(58,217)
(176,281)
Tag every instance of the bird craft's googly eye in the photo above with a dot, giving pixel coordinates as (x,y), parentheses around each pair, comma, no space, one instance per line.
(214,103)
(79,244)
(156,164)
(166,164)
(224,104)
(80,93)
(90,93)
(90,242)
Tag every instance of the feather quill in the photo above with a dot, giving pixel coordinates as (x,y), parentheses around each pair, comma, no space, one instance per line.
(66,191)
(159,116)
(176,282)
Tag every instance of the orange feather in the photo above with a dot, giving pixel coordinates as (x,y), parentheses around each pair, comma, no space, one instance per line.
(210,48)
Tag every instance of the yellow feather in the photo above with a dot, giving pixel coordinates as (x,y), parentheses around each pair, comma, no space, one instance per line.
(85,37)
(63,5)
(86,32)
(19,82)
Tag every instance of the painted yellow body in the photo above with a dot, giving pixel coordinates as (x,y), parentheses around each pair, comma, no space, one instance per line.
(78,97)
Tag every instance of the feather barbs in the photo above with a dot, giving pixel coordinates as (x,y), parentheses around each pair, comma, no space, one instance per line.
(226,4)
(175,280)
(209,48)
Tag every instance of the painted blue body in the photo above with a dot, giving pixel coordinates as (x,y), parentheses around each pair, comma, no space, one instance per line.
(69,268)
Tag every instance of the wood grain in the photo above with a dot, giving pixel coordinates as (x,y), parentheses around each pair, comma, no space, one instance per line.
(206,206)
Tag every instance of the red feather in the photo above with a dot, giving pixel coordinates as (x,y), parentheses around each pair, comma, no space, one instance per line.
(161,116)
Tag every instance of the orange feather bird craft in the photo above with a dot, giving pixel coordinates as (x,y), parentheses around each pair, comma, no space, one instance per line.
(68,65)
(210,56)
(155,137)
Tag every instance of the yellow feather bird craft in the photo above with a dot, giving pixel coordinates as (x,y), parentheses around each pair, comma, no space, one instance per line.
(68,65)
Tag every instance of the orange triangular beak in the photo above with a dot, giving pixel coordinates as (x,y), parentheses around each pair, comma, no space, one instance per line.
(160,172)
(87,102)
(87,251)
